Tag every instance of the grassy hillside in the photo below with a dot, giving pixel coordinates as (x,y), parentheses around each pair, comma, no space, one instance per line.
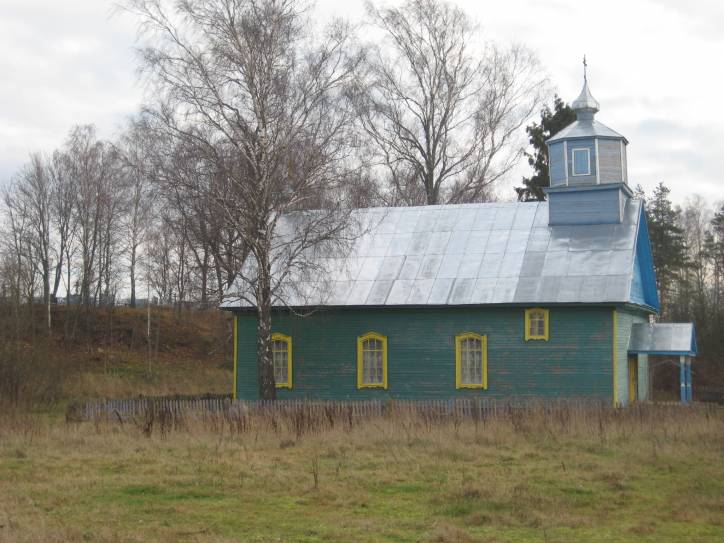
(106,352)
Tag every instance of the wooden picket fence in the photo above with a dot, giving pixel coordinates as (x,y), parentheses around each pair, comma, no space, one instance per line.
(125,409)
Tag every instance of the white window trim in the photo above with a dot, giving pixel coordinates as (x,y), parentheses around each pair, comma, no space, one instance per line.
(573,161)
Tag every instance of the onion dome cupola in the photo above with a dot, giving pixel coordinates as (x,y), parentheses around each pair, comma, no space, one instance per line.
(587,167)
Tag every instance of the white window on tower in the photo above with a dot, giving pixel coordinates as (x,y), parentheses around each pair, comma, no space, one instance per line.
(581,161)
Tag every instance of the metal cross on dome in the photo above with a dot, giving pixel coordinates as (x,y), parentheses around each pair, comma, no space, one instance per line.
(585,69)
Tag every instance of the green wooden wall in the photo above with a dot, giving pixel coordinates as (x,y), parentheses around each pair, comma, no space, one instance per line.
(577,361)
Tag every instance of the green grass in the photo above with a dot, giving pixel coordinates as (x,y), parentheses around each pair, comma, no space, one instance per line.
(649,479)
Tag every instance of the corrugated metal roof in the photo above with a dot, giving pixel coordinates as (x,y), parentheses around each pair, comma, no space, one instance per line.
(497,253)
(585,126)
(663,338)
(586,129)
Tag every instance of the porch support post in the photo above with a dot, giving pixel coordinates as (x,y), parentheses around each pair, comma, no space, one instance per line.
(688,380)
(682,378)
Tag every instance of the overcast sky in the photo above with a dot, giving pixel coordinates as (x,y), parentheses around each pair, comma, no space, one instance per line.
(654,65)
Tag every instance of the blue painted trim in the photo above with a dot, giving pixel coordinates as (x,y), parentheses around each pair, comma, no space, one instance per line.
(556,139)
(636,290)
(682,382)
(583,188)
(557,163)
(645,260)
(641,306)
(694,347)
(586,204)
(586,223)
(665,353)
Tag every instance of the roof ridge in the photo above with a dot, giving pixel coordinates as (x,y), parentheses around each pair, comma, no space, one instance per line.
(448,206)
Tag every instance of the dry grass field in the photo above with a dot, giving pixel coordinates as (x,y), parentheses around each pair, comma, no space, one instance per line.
(650,473)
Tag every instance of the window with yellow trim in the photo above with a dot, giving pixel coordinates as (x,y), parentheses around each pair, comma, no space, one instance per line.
(536,324)
(471,361)
(372,361)
(282,360)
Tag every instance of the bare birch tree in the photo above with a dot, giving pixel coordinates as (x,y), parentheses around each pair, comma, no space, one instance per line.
(216,247)
(247,91)
(63,218)
(35,191)
(160,262)
(15,244)
(444,123)
(91,164)
(136,150)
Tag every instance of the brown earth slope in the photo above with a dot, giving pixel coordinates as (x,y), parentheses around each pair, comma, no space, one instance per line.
(95,352)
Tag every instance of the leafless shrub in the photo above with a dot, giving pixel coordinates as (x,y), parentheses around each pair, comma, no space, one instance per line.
(32,374)
(411,422)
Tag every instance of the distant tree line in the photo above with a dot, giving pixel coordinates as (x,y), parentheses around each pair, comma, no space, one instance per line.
(688,250)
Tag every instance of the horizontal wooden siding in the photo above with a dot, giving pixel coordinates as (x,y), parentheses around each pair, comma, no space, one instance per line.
(575,362)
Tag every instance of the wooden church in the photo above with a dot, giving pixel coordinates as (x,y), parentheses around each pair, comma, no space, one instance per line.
(527,300)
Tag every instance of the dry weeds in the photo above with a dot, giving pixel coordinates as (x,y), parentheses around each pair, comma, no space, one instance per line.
(650,473)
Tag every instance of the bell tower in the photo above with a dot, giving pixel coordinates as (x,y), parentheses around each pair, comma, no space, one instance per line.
(587,168)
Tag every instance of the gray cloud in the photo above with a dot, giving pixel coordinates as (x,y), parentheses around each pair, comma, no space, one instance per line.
(654,68)
(66,63)
(701,16)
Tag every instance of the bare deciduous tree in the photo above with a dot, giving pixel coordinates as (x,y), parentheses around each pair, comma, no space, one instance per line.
(63,217)
(217,249)
(160,261)
(247,92)
(16,245)
(91,164)
(35,190)
(444,124)
(135,150)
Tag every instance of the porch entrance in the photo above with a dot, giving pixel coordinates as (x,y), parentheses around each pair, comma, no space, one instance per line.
(633,378)
(662,339)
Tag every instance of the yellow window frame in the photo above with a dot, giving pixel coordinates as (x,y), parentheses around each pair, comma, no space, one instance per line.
(458,360)
(360,360)
(546,324)
(288,340)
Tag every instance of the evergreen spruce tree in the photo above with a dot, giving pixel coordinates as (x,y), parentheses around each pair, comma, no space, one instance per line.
(668,244)
(551,122)
(715,255)
(639,193)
